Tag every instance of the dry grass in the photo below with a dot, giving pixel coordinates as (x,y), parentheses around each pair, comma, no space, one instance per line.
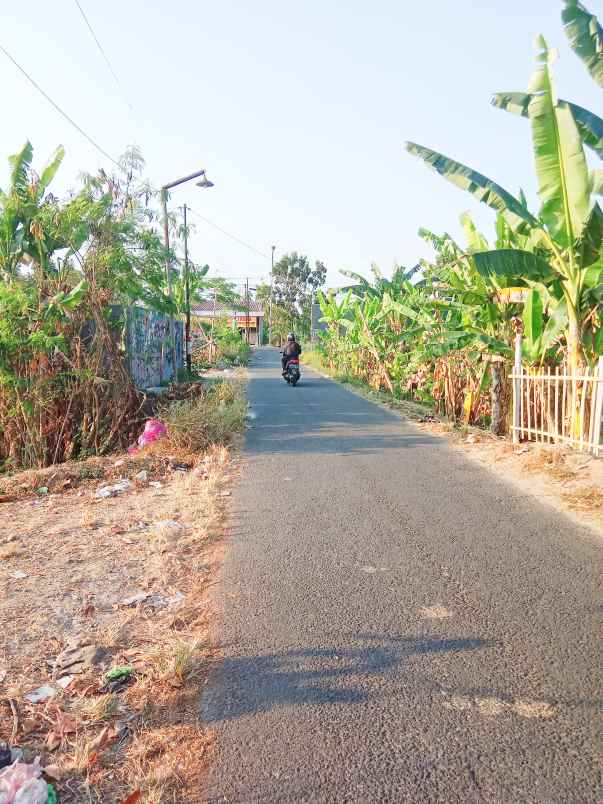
(585,498)
(99,709)
(82,556)
(195,424)
(10,551)
(549,460)
(209,419)
(178,661)
(164,760)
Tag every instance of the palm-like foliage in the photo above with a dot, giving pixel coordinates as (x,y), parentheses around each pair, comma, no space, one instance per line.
(25,213)
(565,240)
(585,37)
(438,330)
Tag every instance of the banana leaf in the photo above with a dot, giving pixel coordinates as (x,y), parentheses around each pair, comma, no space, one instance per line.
(49,171)
(20,164)
(494,345)
(481,187)
(561,169)
(533,317)
(593,276)
(589,124)
(585,37)
(508,267)
(592,238)
(475,239)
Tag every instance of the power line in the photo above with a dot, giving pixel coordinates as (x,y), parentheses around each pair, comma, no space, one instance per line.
(104,55)
(59,110)
(108,156)
(228,234)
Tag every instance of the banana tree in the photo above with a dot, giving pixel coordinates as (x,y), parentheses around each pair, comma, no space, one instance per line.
(334,315)
(586,39)
(369,330)
(24,236)
(333,312)
(568,234)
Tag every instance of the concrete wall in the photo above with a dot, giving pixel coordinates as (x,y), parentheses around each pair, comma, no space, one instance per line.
(148,348)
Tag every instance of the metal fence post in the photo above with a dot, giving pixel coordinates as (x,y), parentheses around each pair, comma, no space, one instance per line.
(598,402)
(517,390)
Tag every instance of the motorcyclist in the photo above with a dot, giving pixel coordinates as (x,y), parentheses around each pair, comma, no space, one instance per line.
(292,349)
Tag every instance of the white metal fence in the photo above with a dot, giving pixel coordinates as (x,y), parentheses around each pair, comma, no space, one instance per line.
(558,407)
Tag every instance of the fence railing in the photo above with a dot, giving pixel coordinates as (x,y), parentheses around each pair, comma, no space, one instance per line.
(558,407)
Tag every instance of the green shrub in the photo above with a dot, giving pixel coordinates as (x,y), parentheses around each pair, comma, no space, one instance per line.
(211,418)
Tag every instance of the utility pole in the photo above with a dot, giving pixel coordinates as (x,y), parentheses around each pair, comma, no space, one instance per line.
(211,335)
(187,300)
(168,280)
(248,310)
(203,182)
(270,302)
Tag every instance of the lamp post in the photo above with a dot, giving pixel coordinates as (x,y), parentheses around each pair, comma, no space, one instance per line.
(270,302)
(203,182)
(187,299)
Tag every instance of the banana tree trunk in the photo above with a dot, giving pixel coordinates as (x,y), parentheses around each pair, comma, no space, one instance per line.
(574,344)
(575,361)
(498,396)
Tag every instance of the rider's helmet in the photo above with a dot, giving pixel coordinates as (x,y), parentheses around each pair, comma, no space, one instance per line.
(291,336)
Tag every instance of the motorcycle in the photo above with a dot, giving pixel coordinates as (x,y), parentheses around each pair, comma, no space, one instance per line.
(291,374)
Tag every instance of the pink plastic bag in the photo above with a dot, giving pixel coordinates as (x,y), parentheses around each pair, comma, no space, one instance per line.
(20,783)
(153,431)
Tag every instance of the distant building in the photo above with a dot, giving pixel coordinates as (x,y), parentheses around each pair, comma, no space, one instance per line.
(250,326)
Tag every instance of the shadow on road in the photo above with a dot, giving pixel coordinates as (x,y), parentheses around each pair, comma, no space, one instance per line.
(317,676)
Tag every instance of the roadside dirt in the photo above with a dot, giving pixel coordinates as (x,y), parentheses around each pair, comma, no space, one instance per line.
(122,582)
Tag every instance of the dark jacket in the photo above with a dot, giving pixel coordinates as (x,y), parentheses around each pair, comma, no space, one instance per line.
(292,349)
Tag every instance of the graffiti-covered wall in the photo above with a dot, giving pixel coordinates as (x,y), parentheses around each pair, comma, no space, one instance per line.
(148,347)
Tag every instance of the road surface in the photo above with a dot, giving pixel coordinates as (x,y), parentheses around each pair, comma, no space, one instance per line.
(398,624)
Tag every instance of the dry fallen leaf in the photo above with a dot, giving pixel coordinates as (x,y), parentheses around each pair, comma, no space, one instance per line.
(53,740)
(30,724)
(133,797)
(107,735)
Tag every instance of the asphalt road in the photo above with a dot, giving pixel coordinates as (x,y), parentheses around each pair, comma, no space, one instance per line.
(398,624)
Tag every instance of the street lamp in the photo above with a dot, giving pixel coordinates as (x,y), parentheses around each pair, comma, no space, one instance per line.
(203,182)
(270,302)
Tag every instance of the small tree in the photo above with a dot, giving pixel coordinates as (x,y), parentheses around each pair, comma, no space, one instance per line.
(295,284)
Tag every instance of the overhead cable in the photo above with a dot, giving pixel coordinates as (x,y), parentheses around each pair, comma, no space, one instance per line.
(104,55)
(228,234)
(58,108)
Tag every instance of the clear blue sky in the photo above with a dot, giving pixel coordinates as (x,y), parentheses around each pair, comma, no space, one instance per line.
(298,111)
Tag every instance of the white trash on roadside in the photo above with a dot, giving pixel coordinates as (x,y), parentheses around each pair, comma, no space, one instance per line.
(41,694)
(112,491)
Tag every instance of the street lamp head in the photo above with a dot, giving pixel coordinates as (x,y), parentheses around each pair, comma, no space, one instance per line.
(204,182)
